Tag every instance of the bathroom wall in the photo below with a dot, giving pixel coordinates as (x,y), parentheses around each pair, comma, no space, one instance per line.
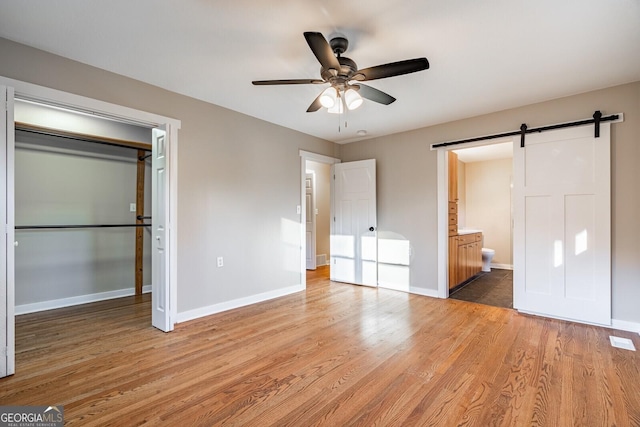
(488,205)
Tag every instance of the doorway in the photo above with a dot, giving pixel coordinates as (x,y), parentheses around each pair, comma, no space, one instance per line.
(164,143)
(318,217)
(484,205)
(320,166)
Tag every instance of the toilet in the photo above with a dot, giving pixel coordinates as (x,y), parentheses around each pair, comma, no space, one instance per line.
(487,256)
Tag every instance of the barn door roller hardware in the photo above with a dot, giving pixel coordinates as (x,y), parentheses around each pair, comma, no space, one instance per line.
(596,120)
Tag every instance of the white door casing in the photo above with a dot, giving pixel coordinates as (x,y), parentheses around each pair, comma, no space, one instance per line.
(562,233)
(353,242)
(160,310)
(7,285)
(310,213)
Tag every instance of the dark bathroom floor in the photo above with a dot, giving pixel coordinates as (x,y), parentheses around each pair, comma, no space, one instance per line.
(494,288)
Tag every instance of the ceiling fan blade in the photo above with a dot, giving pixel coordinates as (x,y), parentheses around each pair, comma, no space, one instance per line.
(392,69)
(375,95)
(287,82)
(321,49)
(315,105)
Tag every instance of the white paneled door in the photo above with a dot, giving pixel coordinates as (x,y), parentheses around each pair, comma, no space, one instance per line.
(7,303)
(310,211)
(562,233)
(353,243)
(160,310)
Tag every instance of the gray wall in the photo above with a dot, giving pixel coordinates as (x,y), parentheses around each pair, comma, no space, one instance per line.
(407,180)
(72,187)
(238,180)
(488,205)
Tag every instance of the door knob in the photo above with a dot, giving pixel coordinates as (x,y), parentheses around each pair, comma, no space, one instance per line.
(158,238)
(371,228)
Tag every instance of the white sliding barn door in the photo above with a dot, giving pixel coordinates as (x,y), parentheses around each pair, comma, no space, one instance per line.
(562,233)
(7,300)
(353,243)
(160,310)
(310,213)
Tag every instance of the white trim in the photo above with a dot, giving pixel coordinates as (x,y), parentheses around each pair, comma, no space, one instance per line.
(237,303)
(624,325)
(442,216)
(502,266)
(80,299)
(320,158)
(433,293)
(94,107)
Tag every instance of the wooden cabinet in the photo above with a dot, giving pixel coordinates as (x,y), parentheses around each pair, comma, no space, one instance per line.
(465,257)
(453,176)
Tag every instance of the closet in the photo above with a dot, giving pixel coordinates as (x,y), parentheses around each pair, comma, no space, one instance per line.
(82,208)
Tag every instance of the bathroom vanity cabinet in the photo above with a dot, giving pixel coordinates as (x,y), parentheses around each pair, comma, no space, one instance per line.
(465,257)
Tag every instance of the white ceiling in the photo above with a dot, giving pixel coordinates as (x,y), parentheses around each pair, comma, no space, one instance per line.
(485,56)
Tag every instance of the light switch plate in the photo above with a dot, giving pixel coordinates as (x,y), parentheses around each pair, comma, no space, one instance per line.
(132,207)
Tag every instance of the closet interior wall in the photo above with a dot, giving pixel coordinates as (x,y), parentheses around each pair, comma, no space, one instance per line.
(61,180)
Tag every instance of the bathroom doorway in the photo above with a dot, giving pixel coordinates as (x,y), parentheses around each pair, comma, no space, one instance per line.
(484,204)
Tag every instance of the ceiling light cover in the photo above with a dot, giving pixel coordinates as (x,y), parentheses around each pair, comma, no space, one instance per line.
(328,97)
(338,107)
(352,99)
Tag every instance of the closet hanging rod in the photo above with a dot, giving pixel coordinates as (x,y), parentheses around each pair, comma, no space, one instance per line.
(40,130)
(41,227)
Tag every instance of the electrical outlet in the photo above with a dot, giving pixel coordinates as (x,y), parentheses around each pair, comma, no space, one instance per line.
(132,207)
(220,262)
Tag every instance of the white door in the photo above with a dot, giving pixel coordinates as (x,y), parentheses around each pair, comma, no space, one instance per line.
(310,211)
(353,243)
(562,233)
(160,310)
(7,319)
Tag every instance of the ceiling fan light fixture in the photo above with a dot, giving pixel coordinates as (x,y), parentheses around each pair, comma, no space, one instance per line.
(352,99)
(338,107)
(328,97)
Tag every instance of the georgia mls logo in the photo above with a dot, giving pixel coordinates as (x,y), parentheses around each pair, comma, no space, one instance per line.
(31,416)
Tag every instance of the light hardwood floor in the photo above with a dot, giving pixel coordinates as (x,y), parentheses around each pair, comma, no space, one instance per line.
(335,355)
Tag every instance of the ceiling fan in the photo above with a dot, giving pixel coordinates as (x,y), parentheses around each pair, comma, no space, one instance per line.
(343,75)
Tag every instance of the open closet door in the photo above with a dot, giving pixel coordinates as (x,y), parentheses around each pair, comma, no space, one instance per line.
(353,244)
(160,316)
(7,319)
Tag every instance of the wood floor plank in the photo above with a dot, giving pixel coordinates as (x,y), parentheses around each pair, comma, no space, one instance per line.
(335,354)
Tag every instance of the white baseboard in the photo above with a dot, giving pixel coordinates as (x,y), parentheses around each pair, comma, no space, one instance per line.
(236,303)
(502,266)
(624,325)
(80,299)
(433,293)
(322,260)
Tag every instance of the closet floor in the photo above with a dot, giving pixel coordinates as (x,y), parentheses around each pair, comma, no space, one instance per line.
(493,288)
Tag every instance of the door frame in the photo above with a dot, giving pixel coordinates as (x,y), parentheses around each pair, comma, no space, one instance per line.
(320,158)
(443,208)
(119,113)
(313,261)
